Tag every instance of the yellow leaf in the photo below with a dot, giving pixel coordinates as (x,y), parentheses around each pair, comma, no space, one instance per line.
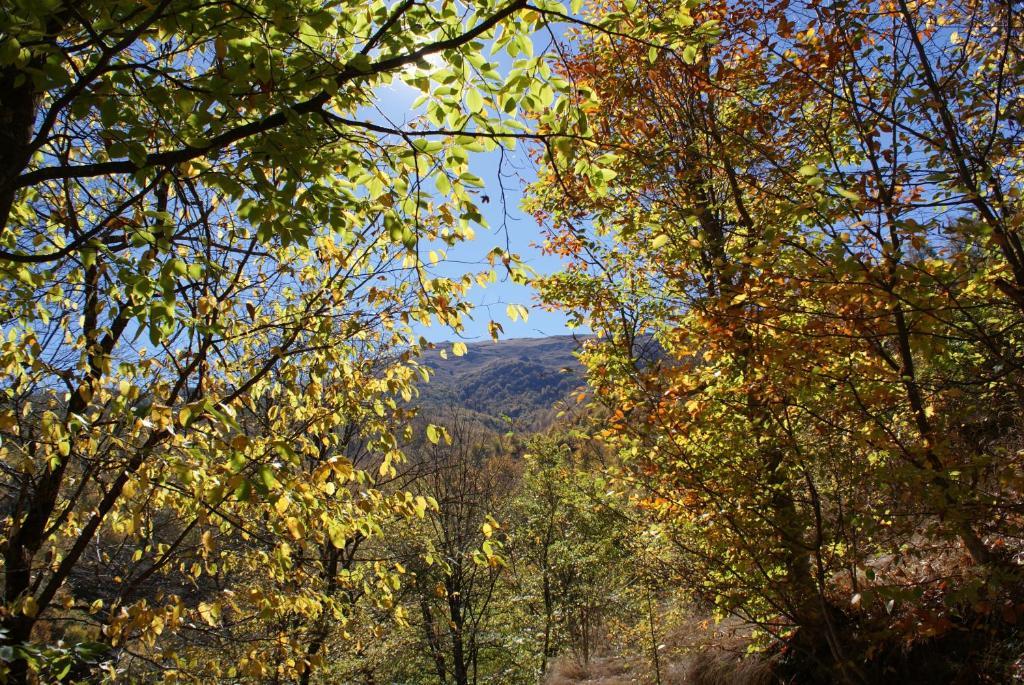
(30,607)
(210,611)
(459,349)
(337,535)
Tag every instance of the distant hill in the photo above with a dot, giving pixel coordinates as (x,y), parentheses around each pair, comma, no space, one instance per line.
(521,379)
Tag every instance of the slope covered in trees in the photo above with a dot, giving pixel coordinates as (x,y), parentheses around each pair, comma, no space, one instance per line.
(508,385)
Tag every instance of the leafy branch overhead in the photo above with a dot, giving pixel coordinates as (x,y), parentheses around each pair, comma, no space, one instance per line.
(210,255)
(792,229)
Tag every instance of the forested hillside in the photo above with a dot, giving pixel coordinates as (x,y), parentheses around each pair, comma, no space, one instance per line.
(506,385)
(788,449)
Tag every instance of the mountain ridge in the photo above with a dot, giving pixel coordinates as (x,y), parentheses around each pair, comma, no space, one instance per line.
(513,383)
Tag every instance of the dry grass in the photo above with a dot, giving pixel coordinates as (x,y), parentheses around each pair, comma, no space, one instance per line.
(600,671)
(695,651)
(718,667)
(709,667)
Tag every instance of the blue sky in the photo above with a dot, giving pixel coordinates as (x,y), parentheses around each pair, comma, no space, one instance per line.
(509,227)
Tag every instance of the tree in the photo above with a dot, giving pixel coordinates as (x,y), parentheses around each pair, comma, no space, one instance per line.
(455,559)
(210,262)
(574,549)
(802,217)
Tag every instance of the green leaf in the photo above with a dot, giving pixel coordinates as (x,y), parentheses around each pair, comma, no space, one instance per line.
(268,479)
(360,63)
(428,146)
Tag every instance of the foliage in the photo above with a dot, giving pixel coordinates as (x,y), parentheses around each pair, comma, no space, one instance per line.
(527,556)
(814,211)
(572,546)
(213,250)
(793,228)
(455,557)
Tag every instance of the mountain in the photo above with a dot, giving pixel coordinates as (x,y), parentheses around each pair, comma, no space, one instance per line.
(507,384)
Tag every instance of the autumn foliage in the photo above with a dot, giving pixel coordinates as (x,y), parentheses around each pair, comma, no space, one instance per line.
(806,276)
(794,227)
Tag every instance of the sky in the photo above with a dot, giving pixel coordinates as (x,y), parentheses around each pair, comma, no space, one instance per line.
(509,227)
